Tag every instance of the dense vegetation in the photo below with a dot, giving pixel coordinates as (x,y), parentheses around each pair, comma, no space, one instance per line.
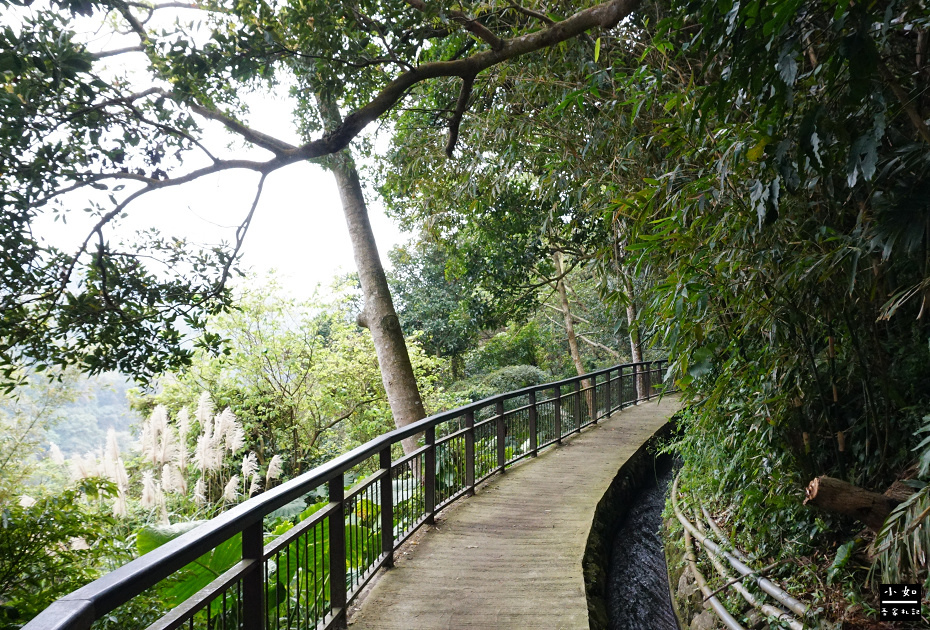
(742,186)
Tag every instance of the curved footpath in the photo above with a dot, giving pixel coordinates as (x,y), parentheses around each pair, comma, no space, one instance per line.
(511,556)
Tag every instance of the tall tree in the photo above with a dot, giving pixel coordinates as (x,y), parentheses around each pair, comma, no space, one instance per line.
(378,314)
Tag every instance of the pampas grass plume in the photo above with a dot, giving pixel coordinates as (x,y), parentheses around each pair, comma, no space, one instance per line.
(204,412)
(256,484)
(231,490)
(200,492)
(249,465)
(274,470)
(56,455)
(120,507)
(149,490)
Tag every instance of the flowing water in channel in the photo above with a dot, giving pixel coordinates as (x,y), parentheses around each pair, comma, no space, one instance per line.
(638,594)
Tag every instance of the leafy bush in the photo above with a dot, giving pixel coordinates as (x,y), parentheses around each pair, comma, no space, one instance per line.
(518,345)
(499,381)
(50,546)
(903,545)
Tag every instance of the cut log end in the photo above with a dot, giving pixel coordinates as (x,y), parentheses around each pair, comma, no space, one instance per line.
(839,497)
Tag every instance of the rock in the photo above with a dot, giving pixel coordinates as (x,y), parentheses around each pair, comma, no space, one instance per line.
(755,621)
(705,621)
(687,591)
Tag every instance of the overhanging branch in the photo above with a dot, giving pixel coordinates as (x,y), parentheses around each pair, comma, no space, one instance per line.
(460,107)
(471,25)
(605,15)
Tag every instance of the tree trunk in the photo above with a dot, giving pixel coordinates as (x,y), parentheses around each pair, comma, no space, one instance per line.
(567,315)
(378,314)
(570,330)
(636,346)
(838,497)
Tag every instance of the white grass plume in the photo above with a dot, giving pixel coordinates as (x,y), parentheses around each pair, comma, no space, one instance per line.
(256,484)
(149,490)
(184,430)
(249,465)
(172,480)
(55,453)
(204,413)
(274,470)
(231,490)
(200,492)
(120,505)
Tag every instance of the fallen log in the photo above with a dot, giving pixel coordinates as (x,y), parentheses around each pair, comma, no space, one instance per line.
(899,491)
(839,497)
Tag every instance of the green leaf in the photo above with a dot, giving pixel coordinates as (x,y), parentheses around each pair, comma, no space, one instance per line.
(289,510)
(843,554)
(597,49)
(154,536)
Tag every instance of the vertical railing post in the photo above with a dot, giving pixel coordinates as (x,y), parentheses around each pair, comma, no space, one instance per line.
(253,583)
(470,451)
(649,382)
(429,493)
(534,436)
(558,414)
(607,410)
(637,380)
(337,551)
(387,507)
(578,405)
(501,435)
(620,389)
(594,399)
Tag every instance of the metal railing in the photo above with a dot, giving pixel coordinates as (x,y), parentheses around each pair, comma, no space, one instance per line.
(305,577)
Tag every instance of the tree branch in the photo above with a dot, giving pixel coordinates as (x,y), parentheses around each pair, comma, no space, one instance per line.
(595,344)
(117,51)
(134,24)
(263,140)
(533,14)
(460,107)
(605,15)
(905,101)
(473,26)
(243,229)
(578,317)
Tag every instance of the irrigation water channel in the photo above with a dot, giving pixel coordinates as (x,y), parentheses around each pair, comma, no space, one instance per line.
(638,590)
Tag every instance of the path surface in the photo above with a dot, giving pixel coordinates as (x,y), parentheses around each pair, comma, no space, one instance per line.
(510,557)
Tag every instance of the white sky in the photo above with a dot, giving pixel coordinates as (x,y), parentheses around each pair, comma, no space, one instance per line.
(298,228)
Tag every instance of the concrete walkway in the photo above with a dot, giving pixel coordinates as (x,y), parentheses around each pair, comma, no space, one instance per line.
(510,557)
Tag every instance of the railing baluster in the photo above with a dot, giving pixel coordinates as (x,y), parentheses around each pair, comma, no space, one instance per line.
(387,507)
(337,552)
(501,436)
(558,413)
(253,583)
(578,405)
(607,402)
(534,436)
(649,382)
(429,489)
(620,400)
(470,451)
(637,381)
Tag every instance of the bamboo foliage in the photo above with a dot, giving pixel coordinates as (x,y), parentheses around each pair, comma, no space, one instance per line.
(903,545)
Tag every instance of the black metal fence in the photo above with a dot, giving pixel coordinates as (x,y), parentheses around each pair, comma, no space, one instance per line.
(303,578)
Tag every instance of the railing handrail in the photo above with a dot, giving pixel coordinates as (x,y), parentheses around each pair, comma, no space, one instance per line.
(80,608)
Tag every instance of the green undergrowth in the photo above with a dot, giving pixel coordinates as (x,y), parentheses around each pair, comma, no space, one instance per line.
(736,468)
